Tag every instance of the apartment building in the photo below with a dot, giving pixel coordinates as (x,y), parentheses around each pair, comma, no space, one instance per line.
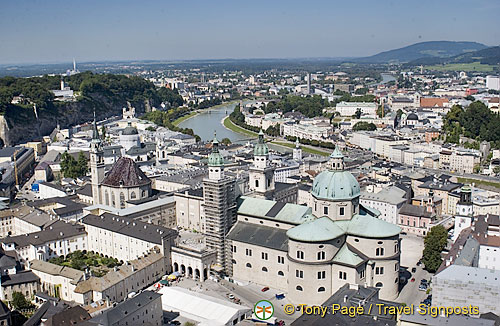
(124,238)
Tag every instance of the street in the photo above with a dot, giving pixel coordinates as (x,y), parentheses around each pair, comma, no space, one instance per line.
(411,252)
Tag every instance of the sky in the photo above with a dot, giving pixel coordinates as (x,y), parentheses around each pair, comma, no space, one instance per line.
(50,31)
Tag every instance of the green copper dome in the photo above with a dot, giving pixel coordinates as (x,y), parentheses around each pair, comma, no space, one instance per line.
(335,183)
(215,158)
(261,148)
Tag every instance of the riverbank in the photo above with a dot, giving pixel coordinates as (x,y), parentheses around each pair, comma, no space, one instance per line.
(228,124)
(304,148)
(187,116)
(195,113)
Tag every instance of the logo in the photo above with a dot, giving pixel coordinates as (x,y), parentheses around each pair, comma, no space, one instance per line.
(263,310)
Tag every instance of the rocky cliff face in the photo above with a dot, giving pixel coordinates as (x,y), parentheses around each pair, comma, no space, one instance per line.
(20,125)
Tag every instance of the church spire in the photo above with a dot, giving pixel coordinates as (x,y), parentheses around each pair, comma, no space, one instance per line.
(95,132)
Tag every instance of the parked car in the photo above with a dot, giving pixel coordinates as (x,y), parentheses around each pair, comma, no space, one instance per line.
(280,296)
(413,280)
(265,289)
(422,287)
(414,270)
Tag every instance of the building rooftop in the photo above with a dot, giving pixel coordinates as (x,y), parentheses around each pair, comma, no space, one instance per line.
(19,278)
(125,173)
(114,315)
(56,270)
(100,284)
(57,231)
(129,227)
(260,235)
(455,320)
(316,230)
(468,274)
(269,209)
(351,296)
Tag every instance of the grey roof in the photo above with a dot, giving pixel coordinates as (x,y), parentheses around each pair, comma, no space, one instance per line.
(86,190)
(6,262)
(59,230)
(193,192)
(9,151)
(259,235)
(444,186)
(392,195)
(143,149)
(53,269)
(281,186)
(130,227)
(414,210)
(4,310)
(68,317)
(469,253)
(129,307)
(19,278)
(288,213)
(354,298)
(455,320)
(467,274)
(68,206)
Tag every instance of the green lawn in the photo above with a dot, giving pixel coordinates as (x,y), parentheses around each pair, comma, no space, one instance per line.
(475,181)
(305,149)
(474,66)
(231,126)
(187,116)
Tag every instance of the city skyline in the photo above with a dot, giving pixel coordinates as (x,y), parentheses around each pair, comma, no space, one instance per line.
(36,32)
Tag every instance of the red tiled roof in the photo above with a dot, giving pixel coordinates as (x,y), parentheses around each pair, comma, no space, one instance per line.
(427,102)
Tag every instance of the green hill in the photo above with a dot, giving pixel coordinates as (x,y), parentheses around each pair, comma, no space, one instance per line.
(432,49)
(488,56)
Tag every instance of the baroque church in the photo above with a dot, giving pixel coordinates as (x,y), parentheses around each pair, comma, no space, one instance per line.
(310,252)
(124,182)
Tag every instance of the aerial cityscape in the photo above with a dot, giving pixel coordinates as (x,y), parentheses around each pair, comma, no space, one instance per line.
(262,163)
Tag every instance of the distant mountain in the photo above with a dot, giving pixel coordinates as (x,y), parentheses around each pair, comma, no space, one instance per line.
(416,51)
(486,56)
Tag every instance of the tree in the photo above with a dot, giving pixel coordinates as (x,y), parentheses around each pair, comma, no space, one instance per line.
(496,170)
(83,164)
(362,125)
(19,301)
(358,113)
(72,168)
(361,91)
(226,141)
(103,132)
(435,241)
(380,112)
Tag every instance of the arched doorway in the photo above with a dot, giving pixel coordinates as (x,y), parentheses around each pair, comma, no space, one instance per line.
(197,274)
(190,271)
(205,274)
(176,267)
(183,269)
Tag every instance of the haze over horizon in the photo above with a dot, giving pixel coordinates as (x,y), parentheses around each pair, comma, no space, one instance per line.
(41,32)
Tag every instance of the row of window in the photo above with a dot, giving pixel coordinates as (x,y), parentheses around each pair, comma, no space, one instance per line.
(264,269)
(321,255)
(325,210)
(320,289)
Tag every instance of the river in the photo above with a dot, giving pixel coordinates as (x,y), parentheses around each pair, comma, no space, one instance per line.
(205,123)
